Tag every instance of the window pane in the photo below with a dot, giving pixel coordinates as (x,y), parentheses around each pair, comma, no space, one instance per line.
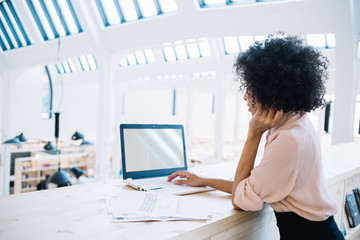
(260,38)
(147,8)
(193,50)
(54,17)
(91,61)
(330,40)
(66,67)
(128,8)
(14,24)
(110,11)
(123,62)
(12,39)
(209,2)
(84,63)
(316,40)
(181,52)
(169,54)
(245,42)
(204,47)
(70,22)
(131,59)
(4,40)
(140,57)
(168,5)
(149,56)
(43,20)
(72,65)
(231,45)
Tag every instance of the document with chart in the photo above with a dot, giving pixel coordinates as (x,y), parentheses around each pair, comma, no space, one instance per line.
(134,206)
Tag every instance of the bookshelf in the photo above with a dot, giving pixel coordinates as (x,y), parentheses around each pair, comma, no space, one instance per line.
(29,171)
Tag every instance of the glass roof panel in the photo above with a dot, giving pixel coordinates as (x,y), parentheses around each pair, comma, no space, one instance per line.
(231,45)
(84,63)
(330,40)
(168,6)
(54,17)
(181,52)
(149,56)
(211,2)
(204,47)
(131,59)
(14,25)
(147,8)
(169,54)
(193,50)
(140,57)
(245,42)
(8,32)
(43,21)
(129,10)
(91,61)
(110,11)
(316,40)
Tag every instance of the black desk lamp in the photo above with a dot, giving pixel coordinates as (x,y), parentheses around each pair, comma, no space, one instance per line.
(77,135)
(60,177)
(16,140)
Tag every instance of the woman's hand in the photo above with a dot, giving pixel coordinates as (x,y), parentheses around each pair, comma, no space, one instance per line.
(187,178)
(263,120)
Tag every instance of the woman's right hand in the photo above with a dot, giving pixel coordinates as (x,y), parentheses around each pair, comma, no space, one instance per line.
(264,119)
(186,178)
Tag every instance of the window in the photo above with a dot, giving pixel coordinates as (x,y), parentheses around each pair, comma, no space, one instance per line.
(203,74)
(54,18)
(12,32)
(191,49)
(138,57)
(47,98)
(217,3)
(321,40)
(114,12)
(87,62)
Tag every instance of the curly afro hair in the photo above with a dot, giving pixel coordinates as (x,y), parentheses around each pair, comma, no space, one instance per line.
(283,73)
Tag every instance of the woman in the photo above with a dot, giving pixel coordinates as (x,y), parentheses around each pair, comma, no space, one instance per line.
(283,79)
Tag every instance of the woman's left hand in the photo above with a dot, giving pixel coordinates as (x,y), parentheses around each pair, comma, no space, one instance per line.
(264,119)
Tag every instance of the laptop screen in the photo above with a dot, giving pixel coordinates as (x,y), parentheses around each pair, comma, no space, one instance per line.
(150,150)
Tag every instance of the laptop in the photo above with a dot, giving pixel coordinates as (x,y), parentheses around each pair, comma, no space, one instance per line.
(150,153)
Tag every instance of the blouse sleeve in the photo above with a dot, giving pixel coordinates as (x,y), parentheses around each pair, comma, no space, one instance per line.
(273,179)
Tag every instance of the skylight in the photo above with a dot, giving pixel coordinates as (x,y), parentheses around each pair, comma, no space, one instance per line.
(12,32)
(138,57)
(114,12)
(217,3)
(54,18)
(189,49)
(86,62)
(233,44)
(321,40)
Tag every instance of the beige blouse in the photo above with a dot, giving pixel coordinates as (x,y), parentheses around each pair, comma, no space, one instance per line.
(290,175)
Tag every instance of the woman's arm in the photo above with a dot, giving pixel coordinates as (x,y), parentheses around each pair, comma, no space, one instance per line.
(262,120)
(196,181)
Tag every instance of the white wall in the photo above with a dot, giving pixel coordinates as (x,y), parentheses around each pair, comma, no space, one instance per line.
(78,109)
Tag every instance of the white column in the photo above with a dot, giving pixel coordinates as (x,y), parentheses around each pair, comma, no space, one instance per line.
(105,118)
(347,70)
(120,88)
(220,100)
(5,152)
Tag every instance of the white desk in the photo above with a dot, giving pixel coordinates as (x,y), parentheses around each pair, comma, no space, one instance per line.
(79,212)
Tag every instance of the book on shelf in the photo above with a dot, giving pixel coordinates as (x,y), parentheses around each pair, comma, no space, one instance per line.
(352,210)
(357,196)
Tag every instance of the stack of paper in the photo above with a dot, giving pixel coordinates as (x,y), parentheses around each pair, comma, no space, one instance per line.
(145,206)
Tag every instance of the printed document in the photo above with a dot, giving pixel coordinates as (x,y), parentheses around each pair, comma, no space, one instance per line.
(147,206)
